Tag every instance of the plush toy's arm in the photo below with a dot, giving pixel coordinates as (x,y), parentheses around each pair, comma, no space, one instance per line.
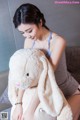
(15,94)
(30,100)
(12,92)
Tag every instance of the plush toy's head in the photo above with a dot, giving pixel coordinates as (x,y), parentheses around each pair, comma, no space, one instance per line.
(25,67)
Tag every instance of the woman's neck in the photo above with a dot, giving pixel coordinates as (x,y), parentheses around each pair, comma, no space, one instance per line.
(44,33)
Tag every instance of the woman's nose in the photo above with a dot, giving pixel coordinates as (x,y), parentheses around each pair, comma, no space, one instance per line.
(26,35)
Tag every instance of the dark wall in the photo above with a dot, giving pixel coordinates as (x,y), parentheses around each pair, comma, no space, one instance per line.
(62,19)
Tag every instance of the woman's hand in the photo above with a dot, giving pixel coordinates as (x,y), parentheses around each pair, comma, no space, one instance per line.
(17,113)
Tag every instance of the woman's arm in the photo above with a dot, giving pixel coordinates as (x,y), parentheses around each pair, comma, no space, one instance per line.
(57,50)
(27,43)
(20,96)
(18,111)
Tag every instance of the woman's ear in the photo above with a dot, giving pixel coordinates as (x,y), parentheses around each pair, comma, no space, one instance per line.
(41,23)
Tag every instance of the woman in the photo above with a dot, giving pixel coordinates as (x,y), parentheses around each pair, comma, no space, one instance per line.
(29,20)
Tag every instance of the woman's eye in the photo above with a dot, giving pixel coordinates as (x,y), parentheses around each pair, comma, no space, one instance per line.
(27,74)
(30,31)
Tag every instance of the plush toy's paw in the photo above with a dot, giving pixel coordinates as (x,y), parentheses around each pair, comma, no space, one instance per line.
(66,114)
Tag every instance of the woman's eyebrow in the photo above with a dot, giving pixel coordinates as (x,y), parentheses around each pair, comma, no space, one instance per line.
(26,30)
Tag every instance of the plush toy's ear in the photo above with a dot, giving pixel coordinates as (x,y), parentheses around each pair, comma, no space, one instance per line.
(48,90)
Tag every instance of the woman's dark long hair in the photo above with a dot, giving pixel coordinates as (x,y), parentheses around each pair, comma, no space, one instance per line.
(28,14)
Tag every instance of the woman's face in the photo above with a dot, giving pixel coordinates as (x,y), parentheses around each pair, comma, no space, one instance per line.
(30,31)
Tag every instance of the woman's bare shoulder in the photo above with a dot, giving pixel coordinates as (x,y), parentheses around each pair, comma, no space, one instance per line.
(58,45)
(57,39)
(27,43)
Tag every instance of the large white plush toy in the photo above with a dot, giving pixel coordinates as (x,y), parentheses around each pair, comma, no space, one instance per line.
(31,70)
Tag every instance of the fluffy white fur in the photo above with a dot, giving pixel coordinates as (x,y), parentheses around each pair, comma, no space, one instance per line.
(34,63)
